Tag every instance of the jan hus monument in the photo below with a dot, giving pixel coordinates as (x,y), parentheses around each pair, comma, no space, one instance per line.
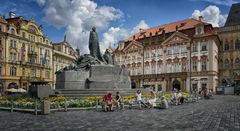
(93,71)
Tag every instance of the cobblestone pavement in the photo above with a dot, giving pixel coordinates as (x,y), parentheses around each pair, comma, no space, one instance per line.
(221,113)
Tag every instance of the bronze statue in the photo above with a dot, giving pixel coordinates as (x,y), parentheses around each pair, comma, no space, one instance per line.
(94,45)
(109,57)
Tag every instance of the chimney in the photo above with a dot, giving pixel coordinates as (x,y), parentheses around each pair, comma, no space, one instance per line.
(200,18)
(12,14)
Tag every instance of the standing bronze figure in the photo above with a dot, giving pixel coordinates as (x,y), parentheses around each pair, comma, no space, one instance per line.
(94,45)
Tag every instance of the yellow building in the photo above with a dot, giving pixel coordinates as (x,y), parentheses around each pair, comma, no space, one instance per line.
(27,54)
(3,25)
(63,55)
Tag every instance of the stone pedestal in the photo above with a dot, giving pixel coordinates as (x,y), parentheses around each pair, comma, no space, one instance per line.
(45,107)
(108,77)
(97,80)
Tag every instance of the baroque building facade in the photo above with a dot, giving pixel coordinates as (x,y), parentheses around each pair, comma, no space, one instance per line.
(229,63)
(63,55)
(182,55)
(26,54)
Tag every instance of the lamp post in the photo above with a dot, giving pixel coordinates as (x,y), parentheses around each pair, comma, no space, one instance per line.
(190,70)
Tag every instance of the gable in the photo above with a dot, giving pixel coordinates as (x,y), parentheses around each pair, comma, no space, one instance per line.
(133,46)
(176,38)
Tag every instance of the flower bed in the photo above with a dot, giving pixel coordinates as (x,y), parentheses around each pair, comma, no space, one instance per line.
(79,102)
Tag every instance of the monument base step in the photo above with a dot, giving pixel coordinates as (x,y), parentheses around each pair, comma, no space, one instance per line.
(89,92)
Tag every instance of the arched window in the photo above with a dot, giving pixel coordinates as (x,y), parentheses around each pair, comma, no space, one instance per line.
(204,65)
(237,63)
(23,35)
(226,46)
(226,63)
(12,31)
(237,44)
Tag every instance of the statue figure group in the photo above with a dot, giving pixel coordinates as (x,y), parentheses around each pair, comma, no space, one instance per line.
(95,50)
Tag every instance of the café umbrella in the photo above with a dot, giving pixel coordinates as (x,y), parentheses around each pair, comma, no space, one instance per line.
(21,90)
(12,90)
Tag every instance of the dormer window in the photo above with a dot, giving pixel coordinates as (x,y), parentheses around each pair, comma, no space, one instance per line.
(12,31)
(199,29)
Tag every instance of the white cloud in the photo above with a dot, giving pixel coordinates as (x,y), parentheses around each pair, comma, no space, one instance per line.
(211,15)
(78,17)
(140,25)
(113,35)
(41,2)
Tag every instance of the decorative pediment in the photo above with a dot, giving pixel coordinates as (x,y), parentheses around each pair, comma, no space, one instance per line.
(133,46)
(176,37)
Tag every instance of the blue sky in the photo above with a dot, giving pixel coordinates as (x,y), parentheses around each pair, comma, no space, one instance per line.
(114,19)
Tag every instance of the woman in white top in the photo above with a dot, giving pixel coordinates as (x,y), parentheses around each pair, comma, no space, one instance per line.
(152,99)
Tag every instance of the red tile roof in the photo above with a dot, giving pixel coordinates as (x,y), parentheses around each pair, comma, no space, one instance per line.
(171,27)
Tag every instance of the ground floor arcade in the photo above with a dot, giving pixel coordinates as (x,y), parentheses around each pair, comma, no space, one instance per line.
(180,81)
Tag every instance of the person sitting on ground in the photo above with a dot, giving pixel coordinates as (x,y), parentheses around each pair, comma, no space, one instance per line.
(108,101)
(164,103)
(118,100)
(181,98)
(152,99)
(139,98)
(205,93)
(210,94)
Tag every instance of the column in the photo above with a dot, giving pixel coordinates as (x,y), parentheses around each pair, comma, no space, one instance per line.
(164,85)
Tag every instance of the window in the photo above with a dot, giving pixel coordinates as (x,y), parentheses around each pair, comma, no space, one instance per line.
(153,68)
(204,46)
(194,86)
(0,28)
(237,63)
(194,47)
(33,73)
(159,52)
(146,54)
(12,31)
(184,49)
(237,44)
(226,46)
(47,74)
(23,71)
(0,54)
(0,41)
(176,50)
(13,71)
(0,70)
(169,51)
(13,44)
(153,53)
(14,56)
(226,63)
(199,30)
(204,65)
(23,35)
(204,85)
(194,65)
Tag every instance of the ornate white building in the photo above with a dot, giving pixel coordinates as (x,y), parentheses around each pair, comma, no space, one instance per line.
(161,57)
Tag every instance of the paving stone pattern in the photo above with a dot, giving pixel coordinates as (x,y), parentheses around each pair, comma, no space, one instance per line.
(220,114)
